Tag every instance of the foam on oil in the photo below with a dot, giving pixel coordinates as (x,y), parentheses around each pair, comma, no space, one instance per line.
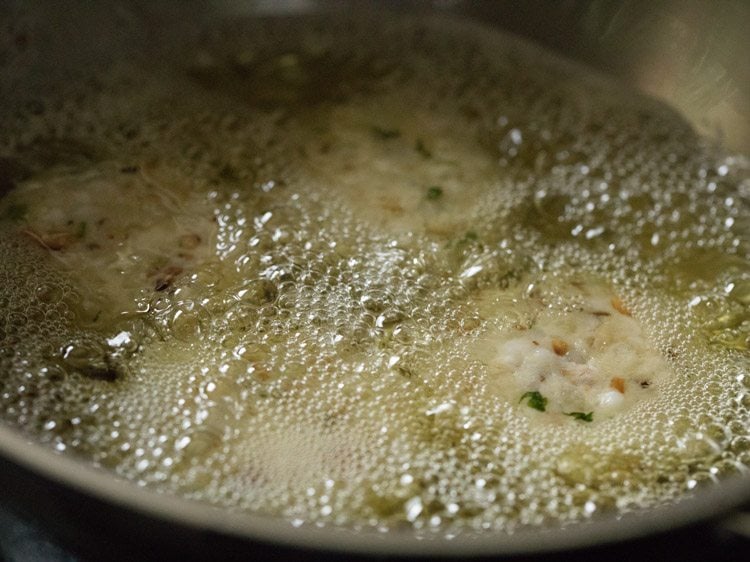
(259,277)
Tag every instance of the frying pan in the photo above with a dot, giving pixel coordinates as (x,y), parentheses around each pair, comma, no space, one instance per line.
(691,54)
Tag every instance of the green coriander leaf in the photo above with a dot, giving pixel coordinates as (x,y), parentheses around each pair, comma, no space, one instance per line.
(583,416)
(434,193)
(535,400)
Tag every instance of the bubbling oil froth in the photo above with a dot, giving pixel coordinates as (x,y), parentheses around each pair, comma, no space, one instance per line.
(317,364)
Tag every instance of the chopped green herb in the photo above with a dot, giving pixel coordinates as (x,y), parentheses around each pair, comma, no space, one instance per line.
(535,400)
(583,416)
(81,230)
(470,236)
(434,193)
(16,211)
(420,147)
(385,134)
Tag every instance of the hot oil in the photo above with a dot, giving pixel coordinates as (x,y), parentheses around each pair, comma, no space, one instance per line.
(314,244)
